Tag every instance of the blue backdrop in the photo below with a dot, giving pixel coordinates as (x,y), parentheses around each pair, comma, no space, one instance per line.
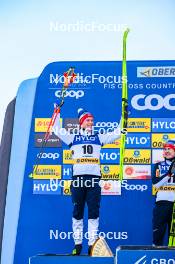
(45,207)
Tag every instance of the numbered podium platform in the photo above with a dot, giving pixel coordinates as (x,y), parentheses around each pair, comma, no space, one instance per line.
(124,255)
(60,259)
(144,255)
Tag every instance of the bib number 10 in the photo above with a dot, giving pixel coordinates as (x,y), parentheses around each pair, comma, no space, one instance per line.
(87,149)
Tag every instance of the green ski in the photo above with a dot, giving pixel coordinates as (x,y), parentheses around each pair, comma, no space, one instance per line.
(171,242)
(124,105)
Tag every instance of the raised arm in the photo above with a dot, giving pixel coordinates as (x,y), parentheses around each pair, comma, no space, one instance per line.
(62,133)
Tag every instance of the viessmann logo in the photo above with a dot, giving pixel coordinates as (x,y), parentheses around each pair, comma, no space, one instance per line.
(159,71)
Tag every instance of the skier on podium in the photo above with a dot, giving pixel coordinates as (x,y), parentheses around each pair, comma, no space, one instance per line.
(85,147)
(163,178)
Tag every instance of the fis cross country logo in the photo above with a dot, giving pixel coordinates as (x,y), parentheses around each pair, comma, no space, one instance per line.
(141,260)
(152,72)
(153,102)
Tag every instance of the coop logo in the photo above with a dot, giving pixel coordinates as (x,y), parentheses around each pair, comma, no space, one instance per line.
(48,155)
(152,72)
(71,93)
(153,102)
(134,187)
(104,127)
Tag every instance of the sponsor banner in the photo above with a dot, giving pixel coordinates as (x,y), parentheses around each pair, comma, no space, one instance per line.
(157,155)
(156,72)
(162,188)
(104,127)
(46,187)
(110,172)
(87,160)
(137,156)
(110,187)
(137,172)
(49,157)
(131,186)
(66,188)
(139,124)
(66,172)
(133,140)
(47,172)
(52,142)
(109,156)
(153,102)
(71,125)
(137,140)
(42,124)
(67,157)
(159,139)
(154,190)
(166,125)
(147,255)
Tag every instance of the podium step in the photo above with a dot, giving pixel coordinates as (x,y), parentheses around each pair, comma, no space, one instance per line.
(145,255)
(124,255)
(62,259)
